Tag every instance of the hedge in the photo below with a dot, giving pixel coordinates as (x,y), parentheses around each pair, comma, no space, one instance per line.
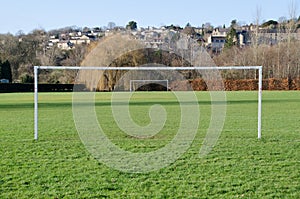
(13,88)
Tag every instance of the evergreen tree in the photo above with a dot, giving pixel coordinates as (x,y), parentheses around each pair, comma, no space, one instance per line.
(231,37)
(188,25)
(132,25)
(5,71)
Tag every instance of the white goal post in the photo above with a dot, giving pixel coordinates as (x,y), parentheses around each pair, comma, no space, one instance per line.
(165,68)
(148,81)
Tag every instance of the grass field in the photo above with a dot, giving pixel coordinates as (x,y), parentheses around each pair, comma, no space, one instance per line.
(239,166)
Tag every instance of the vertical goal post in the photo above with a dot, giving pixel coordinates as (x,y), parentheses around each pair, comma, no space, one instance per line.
(164,68)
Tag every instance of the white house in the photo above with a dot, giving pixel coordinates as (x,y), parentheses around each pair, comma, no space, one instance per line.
(217,40)
(65,45)
(80,40)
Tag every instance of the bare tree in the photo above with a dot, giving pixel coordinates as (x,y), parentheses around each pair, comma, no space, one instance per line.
(111,25)
(255,40)
(291,28)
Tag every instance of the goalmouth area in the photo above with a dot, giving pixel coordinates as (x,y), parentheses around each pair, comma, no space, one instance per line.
(161,68)
(59,166)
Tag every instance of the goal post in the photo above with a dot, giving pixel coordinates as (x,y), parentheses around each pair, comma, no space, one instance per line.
(163,68)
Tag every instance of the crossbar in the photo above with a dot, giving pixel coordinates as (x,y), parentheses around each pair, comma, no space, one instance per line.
(149,68)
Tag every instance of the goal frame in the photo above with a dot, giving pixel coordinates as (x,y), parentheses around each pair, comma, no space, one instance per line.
(37,68)
(146,81)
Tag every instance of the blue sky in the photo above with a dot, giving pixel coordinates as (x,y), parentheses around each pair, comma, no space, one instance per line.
(27,15)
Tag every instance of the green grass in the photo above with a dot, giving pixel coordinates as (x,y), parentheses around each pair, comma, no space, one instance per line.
(239,166)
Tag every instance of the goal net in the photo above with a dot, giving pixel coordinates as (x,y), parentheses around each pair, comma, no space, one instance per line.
(149,85)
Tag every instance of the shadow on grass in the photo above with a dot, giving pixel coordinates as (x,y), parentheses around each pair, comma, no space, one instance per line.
(143,103)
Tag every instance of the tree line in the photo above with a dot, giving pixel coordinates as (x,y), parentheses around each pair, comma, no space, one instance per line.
(23,51)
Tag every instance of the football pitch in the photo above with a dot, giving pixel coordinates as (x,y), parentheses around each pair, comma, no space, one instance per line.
(239,166)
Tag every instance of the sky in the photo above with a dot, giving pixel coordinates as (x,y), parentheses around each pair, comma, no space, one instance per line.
(27,15)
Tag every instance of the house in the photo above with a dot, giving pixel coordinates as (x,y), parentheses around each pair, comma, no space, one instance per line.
(275,36)
(200,31)
(80,40)
(243,38)
(65,45)
(54,40)
(217,40)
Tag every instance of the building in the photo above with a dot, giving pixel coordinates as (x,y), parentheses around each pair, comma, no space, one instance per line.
(80,40)
(217,40)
